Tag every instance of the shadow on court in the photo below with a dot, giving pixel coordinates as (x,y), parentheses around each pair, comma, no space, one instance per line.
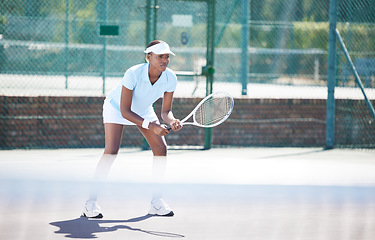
(287,155)
(88,228)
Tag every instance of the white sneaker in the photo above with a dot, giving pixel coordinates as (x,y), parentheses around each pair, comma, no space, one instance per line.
(92,210)
(160,208)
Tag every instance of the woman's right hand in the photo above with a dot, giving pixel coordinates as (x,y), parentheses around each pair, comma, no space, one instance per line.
(158,129)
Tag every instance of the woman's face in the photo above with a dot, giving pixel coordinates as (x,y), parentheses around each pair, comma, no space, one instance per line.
(159,62)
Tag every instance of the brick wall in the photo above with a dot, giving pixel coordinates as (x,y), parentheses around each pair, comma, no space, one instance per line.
(275,122)
(76,122)
(354,124)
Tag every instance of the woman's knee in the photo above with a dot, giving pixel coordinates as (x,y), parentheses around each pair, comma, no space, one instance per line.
(159,149)
(112,150)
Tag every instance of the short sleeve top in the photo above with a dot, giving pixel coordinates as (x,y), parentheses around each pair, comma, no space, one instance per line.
(144,93)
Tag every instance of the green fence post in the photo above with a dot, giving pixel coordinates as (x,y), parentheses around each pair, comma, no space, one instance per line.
(331,82)
(104,45)
(244,46)
(210,62)
(66,43)
(156,7)
(147,41)
(148,23)
(151,23)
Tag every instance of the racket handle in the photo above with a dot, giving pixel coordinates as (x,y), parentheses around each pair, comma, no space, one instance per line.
(169,127)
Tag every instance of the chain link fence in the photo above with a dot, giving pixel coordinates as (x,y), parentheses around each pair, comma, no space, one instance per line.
(356,24)
(54,48)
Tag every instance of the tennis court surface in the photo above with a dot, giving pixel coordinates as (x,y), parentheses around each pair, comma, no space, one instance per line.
(222,193)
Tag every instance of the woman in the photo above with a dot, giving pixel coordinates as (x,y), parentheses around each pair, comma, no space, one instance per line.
(131,104)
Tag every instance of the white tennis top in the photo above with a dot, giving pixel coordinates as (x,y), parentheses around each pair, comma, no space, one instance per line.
(144,93)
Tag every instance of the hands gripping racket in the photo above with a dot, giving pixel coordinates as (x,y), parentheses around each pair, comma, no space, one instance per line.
(211,111)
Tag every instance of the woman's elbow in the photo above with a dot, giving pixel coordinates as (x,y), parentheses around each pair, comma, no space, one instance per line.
(125,114)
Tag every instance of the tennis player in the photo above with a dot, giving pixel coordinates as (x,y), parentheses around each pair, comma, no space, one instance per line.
(130,103)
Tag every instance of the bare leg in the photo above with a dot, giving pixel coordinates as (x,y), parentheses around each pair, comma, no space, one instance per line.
(113,135)
(159,148)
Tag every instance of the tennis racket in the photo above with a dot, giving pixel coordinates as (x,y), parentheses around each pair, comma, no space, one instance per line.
(211,111)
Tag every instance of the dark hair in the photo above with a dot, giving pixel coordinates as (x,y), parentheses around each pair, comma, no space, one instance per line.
(152,43)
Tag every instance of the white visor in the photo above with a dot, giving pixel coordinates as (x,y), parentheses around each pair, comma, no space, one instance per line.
(160,48)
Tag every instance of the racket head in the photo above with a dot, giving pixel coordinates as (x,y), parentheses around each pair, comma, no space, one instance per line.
(213,109)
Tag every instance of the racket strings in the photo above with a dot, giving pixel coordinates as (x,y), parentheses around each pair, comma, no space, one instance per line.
(213,110)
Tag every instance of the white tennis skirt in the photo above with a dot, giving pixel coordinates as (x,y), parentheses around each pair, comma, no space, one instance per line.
(113,115)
